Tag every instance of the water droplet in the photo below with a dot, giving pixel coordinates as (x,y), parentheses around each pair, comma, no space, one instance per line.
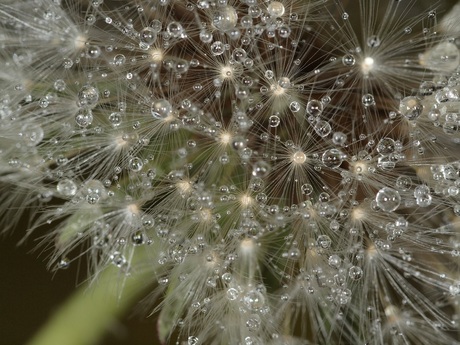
(333,158)
(175,29)
(324,241)
(261,169)
(307,189)
(192,340)
(138,238)
(225,18)
(274,121)
(217,48)
(355,272)
(253,300)
(348,60)
(373,41)
(84,118)
(161,109)
(118,259)
(32,134)
(386,146)
(87,97)
(148,36)
(339,138)
(368,100)
(59,85)
(67,187)
(322,128)
(314,107)
(275,9)
(232,294)
(388,199)
(410,107)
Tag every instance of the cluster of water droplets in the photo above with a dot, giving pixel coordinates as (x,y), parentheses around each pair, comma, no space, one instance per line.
(275,170)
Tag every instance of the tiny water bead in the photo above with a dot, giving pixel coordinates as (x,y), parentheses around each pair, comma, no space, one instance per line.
(87,97)
(161,109)
(314,107)
(333,158)
(388,199)
(275,9)
(84,118)
(217,48)
(225,18)
(368,100)
(67,187)
(31,134)
(324,241)
(410,108)
(274,121)
(355,272)
(135,164)
(148,36)
(348,60)
(192,340)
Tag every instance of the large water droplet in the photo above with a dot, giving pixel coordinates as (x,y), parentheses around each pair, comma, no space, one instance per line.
(388,199)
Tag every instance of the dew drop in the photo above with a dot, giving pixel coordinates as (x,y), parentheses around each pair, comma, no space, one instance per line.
(388,199)
(67,187)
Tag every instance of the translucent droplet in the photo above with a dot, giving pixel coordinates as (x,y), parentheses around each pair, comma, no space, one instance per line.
(324,241)
(274,121)
(175,29)
(119,59)
(254,300)
(386,146)
(443,57)
(275,9)
(314,107)
(64,263)
(161,109)
(322,128)
(348,60)
(192,340)
(284,82)
(59,85)
(333,158)
(334,261)
(93,52)
(423,196)
(217,48)
(148,36)
(403,183)
(232,294)
(355,272)
(135,164)
(368,100)
(261,169)
(225,18)
(388,199)
(307,189)
(339,138)
(294,106)
(253,323)
(84,118)
(373,41)
(410,107)
(138,238)
(87,97)
(115,119)
(32,134)
(118,259)
(67,187)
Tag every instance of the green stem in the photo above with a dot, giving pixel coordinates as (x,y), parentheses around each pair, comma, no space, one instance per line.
(88,314)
